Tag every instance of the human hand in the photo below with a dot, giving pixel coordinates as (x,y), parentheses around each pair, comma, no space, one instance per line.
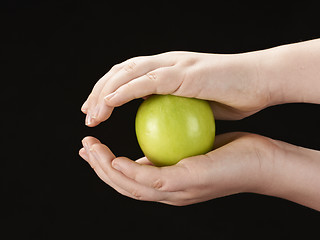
(237,85)
(241,163)
(229,82)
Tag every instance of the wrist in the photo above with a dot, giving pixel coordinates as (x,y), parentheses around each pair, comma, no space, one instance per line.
(293,174)
(291,72)
(260,93)
(271,64)
(255,174)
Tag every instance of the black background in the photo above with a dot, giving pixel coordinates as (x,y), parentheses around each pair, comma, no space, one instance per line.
(52,54)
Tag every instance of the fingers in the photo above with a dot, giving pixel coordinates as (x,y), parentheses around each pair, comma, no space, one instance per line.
(83,154)
(165,179)
(191,180)
(163,80)
(86,154)
(92,98)
(132,179)
(226,170)
(132,69)
(178,183)
(95,106)
(90,105)
(100,159)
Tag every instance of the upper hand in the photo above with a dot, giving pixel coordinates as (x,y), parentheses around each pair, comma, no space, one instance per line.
(230,82)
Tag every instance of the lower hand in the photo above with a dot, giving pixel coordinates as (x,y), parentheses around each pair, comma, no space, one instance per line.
(241,163)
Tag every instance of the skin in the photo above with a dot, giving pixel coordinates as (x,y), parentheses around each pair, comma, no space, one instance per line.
(237,85)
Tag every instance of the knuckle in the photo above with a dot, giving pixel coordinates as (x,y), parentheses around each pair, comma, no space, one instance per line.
(136,194)
(152,76)
(116,67)
(157,184)
(128,89)
(128,85)
(130,66)
(164,184)
(189,62)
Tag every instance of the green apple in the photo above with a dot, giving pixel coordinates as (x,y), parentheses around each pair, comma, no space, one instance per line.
(170,128)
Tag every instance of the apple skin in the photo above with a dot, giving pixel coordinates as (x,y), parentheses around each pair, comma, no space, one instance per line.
(170,128)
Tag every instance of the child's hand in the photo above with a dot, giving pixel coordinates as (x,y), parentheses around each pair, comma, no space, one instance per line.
(230,82)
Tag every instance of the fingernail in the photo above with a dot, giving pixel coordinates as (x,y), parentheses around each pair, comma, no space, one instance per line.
(83,153)
(86,147)
(95,112)
(94,153)
(84,107)
(109,96)
(116,166)
(89,119)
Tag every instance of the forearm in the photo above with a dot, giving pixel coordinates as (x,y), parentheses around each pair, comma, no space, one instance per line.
(292,72)
(295,175)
